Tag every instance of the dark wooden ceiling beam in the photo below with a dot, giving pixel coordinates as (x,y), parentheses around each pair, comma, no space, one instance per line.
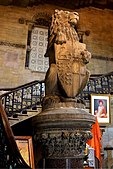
(5,2)
(22,3)
(70,4)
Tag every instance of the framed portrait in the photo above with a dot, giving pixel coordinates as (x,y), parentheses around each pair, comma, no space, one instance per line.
(100,107)
(25,147)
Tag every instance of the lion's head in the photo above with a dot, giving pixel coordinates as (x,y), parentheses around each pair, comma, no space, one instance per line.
(63,26)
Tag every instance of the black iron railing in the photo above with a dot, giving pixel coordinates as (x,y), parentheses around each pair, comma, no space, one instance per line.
(30,95)
(23,97)
(99,84)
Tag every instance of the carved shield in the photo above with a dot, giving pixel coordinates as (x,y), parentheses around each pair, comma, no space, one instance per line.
(71,73)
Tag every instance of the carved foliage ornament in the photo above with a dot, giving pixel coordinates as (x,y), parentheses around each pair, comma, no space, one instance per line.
(64,144)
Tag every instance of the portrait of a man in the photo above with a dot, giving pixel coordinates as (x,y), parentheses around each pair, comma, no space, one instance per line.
(100,107)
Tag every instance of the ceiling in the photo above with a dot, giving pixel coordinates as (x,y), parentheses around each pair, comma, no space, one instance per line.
(70,4)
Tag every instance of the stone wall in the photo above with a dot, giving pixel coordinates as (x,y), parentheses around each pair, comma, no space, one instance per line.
(13,41)
(99,43)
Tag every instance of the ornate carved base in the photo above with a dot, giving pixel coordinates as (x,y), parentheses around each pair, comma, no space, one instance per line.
(63,129)
(62,143)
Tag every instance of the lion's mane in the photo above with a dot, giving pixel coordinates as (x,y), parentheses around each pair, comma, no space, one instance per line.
(62,30)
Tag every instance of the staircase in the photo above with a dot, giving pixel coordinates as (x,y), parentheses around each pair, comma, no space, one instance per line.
(25,101)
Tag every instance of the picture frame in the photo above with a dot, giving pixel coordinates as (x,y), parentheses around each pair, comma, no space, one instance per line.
(25,147)
(100,107)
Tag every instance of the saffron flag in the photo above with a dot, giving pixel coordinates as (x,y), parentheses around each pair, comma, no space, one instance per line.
(95,142)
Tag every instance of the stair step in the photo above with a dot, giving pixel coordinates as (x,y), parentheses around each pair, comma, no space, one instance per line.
(38,108)
(13,121)
(33,112)
(20,114)
(21,117)
(13,118)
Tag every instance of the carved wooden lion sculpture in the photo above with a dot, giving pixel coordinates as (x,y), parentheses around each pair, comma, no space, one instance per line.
(67,74)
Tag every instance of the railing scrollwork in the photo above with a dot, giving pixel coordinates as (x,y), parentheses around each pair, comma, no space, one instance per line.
(102,84)
(23,97)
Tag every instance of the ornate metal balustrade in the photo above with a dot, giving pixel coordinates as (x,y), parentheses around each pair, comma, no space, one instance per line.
(31,94)
(10,156)
(101,84)
(23,97)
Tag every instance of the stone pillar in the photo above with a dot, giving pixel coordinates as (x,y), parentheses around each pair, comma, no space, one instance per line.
(63,127)
(63,131)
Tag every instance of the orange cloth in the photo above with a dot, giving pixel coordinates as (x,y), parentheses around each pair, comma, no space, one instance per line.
(95,142)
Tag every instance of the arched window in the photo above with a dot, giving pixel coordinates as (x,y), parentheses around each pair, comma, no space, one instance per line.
(37,44)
